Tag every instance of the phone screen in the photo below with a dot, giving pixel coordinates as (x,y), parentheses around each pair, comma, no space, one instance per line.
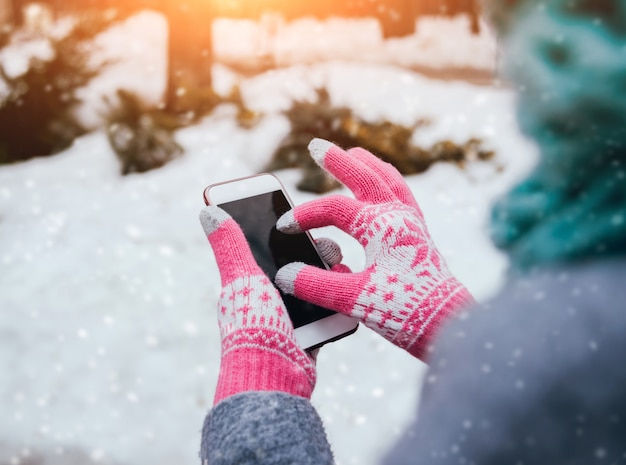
(272,249)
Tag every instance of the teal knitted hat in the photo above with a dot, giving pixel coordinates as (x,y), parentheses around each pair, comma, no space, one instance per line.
(567,59)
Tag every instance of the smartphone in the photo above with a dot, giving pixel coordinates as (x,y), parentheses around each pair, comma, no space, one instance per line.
(256,203)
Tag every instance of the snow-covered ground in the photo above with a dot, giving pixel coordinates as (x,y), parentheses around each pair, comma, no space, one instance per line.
(109,347)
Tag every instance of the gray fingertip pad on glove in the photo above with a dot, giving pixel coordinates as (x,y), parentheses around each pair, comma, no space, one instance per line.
(286,277)
(318,149)
(329,250)
(288,224)
(211,218)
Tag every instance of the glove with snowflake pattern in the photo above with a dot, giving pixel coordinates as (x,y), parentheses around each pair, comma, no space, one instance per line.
(405,291)
(259,350)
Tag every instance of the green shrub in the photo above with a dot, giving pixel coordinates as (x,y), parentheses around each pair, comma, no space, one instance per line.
(142,138)
(387,140)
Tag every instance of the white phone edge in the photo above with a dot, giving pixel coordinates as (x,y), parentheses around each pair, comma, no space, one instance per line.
(318,332)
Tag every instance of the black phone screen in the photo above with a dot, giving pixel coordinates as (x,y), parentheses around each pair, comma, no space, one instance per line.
(272,249)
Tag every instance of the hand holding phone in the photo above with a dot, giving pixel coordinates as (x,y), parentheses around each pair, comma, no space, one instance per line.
(259,350)
(406,291)
(255,203)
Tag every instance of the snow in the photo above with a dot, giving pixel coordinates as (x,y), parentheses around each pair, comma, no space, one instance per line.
(308,40)
(142,35)
(109,346)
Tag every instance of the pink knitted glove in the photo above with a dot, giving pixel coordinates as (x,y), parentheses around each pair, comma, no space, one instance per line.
(405,291)
(259,351)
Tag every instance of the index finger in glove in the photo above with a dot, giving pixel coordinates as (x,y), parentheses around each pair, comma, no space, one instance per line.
(232,252)
(334,210)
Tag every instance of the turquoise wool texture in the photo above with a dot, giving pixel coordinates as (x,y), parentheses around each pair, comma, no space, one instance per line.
(568,61)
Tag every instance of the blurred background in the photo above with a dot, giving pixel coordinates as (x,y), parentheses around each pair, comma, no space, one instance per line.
(115,115)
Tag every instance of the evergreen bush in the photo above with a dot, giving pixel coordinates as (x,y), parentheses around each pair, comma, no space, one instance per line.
(389,141)
(142,138)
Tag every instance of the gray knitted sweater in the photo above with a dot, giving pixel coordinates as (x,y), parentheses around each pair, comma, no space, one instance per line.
(535,376)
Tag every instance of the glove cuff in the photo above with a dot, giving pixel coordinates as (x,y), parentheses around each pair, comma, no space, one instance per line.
(419,330)
(260,359)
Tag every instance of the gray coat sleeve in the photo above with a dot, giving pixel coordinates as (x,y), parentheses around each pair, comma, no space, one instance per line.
(536,376)
(264,428)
